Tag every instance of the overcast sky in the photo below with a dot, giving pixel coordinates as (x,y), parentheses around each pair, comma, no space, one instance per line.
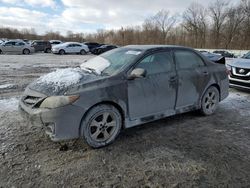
(83,15)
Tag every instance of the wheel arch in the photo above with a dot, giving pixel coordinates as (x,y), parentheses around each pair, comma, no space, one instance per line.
(214,85)
(112,103)
(217,87)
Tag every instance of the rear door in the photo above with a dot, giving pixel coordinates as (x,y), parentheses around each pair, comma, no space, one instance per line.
(19,47)
(70,48)
(155,93)
(193,77)
(78,48)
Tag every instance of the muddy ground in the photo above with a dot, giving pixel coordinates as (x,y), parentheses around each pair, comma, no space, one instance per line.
(187,150)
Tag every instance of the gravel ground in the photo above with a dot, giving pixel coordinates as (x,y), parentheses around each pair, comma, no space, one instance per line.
(187,150)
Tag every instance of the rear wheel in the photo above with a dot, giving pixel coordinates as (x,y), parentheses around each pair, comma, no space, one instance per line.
(210,101)
(101,125)
(26,51)
(83,52)
(48,50)
(61,52)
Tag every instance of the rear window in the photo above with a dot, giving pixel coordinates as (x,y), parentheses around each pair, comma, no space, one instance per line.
(187,59)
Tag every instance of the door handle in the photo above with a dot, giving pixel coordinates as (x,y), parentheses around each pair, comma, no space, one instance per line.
(173,78)
(205,73)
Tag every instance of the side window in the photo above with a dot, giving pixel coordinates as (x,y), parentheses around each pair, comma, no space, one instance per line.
(9,44)
(157,63)
(77,45)
(19,44)
(187,59)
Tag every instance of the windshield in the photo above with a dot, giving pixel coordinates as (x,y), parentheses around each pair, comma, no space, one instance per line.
(111,62)
(247,56)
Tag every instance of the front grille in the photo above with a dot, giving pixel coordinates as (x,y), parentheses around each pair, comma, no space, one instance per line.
(32,101)
(240,77)
(242,71)
(239,83)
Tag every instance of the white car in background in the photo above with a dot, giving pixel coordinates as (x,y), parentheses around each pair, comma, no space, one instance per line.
(70,48)
(55,42)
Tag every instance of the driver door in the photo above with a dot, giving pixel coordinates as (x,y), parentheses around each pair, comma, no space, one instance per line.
(156,92)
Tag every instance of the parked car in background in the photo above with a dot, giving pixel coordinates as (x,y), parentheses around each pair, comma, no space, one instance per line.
(55,42)
(123,88)
(16,46)
(217,58)
(239,76)
(224,53)
(41,45)
(103,48)
(92,45)
(70,48)
(246,56)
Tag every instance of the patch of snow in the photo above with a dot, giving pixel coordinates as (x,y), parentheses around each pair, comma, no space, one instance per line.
(9,105)
(62,77)
(132,52)
(98,64)
(239,101)
(7,86)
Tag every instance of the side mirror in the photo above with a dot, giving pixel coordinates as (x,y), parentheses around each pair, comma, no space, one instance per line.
(137,73)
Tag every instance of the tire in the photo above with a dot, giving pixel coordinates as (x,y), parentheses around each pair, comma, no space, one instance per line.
(101,125)
(61,52)
(83,52)
(26,51)
(99,52)
(210,101)
(47,50)
(1,52)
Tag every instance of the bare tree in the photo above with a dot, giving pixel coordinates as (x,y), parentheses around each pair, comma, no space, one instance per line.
(234,19)
(194,21)
(218,13)
(162,21)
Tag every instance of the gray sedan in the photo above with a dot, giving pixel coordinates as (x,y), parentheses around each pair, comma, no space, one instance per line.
(17,47)
(123,88)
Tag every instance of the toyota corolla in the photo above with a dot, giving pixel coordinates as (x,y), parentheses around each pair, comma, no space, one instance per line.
(123,88)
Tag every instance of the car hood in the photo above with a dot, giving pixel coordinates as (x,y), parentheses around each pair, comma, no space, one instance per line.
(242,63)
(62,80)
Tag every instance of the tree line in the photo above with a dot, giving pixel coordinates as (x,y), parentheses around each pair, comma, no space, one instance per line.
(220,25)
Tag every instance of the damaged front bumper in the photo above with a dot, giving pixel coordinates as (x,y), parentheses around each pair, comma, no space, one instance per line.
(60,123)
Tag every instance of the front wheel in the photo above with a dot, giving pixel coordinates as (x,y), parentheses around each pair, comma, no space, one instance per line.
(210,101)
(61,52)
(101,125)
(1,52)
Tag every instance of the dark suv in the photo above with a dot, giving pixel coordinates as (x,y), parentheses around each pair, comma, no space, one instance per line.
(41,45)
(92,45)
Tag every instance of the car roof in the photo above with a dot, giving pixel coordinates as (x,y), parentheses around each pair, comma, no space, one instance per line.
(152,47)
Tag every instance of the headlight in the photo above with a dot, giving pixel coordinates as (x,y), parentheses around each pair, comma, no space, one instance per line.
(229,70)
(229,67)
(58,101)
